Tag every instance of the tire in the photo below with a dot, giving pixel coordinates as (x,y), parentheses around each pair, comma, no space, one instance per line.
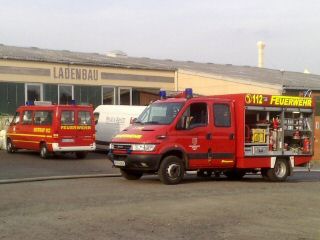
(235,174)
(280,171)
(171,170)
(81,155)
(131,175)
(204,173)
(10,147)
(44,153)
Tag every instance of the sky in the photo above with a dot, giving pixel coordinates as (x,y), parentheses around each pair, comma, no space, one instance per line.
(217,31)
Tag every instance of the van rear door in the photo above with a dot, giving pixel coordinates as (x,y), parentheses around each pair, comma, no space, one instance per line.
(67,128)
(85,127)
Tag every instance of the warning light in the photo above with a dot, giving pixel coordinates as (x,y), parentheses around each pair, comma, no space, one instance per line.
(162,94)
(189,93)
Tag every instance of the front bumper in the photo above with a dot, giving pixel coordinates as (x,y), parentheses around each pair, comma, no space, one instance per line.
(141,162)
(57,148)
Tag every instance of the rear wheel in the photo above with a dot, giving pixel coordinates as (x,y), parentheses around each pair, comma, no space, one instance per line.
(44,153)
(171,170)
(279,172)
(10,147)
(131,175)
(81,155)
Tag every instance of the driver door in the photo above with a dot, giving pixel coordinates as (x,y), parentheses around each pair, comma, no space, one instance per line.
(192,133)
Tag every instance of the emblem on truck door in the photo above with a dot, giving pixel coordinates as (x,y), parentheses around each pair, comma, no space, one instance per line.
(194,146)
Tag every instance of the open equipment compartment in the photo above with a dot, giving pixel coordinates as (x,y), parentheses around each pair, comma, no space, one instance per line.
(277,131)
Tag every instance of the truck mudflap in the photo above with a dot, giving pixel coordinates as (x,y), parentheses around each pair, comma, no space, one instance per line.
(140,162)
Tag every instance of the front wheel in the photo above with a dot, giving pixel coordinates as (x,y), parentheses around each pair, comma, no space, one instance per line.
(44,153)
(10,147)
(131,175)
(171,170)
(279,172)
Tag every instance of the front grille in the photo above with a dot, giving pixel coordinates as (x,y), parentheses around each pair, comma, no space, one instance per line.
(122,146)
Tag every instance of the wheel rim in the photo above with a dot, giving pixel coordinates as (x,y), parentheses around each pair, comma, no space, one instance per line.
(9,146)
(43,152)
(174,171)
(280,169)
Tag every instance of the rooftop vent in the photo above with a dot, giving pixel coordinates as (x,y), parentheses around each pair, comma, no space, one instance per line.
(116,53)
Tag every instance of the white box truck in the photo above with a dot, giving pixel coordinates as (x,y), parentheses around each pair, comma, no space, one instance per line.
(112,119)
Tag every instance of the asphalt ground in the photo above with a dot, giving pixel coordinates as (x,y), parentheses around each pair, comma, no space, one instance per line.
(115,208)
(28,164)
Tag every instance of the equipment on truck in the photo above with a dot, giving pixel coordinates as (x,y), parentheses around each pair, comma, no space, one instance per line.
(228,134)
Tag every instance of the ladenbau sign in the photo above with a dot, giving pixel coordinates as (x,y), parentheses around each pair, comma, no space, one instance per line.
(75,73)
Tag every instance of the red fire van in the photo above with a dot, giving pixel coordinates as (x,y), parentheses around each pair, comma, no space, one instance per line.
(228,134)
(51,128)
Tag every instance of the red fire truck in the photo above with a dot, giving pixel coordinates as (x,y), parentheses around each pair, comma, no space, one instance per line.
(228,134)
(48,128)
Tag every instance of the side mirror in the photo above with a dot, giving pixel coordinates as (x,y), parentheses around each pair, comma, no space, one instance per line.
(183,123)
(133,120)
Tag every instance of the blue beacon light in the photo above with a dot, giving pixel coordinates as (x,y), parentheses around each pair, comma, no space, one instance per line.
(29,103)
(162,94)
(189,93)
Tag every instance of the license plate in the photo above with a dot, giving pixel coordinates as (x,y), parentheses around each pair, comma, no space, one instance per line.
(119,163)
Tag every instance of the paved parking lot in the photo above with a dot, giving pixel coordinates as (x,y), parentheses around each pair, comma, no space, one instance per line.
(114,208)
(27,164)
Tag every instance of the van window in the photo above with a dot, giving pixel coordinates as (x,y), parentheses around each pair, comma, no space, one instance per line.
(84,118)
(43,118)
(67,117)
(222,116)
(27,117)
(16,119)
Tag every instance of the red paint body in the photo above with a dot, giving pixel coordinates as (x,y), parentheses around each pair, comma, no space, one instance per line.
(222,149)
(58,134)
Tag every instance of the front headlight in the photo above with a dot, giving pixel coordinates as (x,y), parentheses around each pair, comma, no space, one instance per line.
(111,146)
(143,147)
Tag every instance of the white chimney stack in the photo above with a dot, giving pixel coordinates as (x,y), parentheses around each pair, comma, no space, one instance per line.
(261,46)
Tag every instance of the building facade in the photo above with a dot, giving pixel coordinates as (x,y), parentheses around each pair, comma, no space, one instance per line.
(22,81)
(28,74)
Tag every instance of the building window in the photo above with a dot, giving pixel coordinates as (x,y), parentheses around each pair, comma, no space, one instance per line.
(124,96)
(33,92)
(108,95)
(65,93)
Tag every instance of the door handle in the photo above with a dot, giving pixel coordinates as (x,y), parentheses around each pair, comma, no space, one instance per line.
(209,136)
(231,136)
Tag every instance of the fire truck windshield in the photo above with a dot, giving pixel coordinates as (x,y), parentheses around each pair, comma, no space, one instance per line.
(160,113)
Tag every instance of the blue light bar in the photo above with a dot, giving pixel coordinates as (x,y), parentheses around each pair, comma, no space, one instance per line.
(29,103)
(162,94)
(189,93)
